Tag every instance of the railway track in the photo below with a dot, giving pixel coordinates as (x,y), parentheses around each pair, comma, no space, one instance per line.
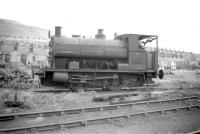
(83,122)
(87,109)
(194,132)
(63,125)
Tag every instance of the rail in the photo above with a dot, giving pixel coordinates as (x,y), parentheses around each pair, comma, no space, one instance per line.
(87,109)
(194,132)
(63,125)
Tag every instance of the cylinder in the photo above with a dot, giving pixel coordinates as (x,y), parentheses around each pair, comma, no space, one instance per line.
(60,77)
(58,31)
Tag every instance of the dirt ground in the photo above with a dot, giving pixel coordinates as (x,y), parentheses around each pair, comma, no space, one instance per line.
(175,84)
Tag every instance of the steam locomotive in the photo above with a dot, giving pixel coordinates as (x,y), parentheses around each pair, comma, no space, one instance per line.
(80,63)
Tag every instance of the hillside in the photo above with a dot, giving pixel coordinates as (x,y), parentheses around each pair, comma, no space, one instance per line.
(10,28)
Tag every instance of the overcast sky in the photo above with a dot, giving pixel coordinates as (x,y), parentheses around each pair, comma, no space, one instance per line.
(176,22)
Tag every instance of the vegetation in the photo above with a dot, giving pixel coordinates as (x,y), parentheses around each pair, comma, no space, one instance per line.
(15,79)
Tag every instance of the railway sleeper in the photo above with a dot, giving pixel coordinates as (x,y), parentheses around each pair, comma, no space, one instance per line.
(89,109)
(93,121)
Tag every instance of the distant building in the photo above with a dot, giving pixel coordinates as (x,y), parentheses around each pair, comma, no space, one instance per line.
(173,59)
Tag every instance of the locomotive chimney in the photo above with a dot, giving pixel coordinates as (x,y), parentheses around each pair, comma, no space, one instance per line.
(58,31)
(100,34)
